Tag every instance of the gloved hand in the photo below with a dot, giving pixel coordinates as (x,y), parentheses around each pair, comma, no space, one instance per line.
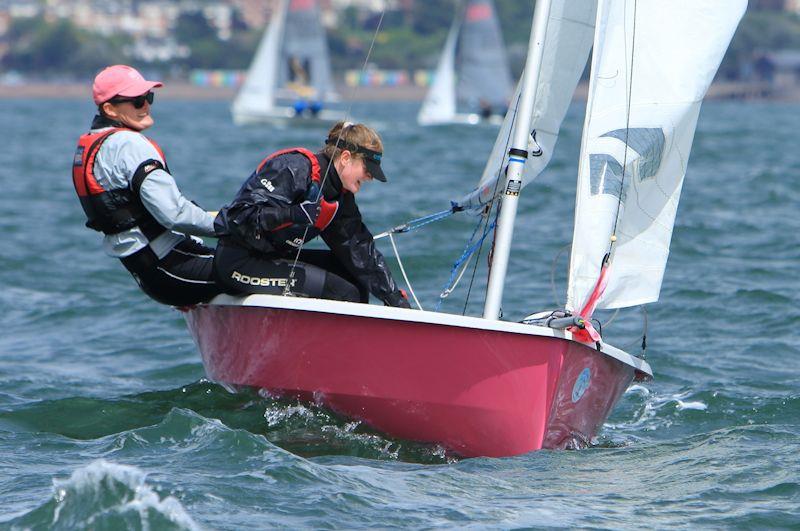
(316,213)
(398,299)
(306,213)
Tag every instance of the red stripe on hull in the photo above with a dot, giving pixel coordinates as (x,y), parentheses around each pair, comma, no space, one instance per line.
(477,392)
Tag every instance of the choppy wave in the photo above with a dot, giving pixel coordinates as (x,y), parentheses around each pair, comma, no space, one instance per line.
(105,388)
(106,495)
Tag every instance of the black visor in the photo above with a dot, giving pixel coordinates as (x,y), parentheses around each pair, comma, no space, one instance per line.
(372,159)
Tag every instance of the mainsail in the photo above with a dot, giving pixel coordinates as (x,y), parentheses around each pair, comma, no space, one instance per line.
(304,61)
(440,101)
(483,73)
(570,30)
(258,91)
(291,61)
(473,69)
(652,65)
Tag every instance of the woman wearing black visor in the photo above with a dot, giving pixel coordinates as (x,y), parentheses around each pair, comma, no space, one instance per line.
(293,196)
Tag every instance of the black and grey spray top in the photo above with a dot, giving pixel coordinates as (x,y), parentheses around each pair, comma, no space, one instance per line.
(255,219)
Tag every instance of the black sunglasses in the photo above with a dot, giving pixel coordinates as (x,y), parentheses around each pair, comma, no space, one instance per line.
(138,101)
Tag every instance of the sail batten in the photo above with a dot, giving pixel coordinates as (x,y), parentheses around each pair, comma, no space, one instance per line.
(652,65)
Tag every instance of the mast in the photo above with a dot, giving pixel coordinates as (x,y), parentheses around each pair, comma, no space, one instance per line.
(518,155)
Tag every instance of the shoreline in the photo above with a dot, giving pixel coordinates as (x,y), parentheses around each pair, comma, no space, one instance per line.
(187,91)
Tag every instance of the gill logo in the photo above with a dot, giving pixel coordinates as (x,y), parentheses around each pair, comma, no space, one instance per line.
(606,172)
(266,183)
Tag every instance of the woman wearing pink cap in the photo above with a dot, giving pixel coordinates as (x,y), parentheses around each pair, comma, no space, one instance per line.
(127,193)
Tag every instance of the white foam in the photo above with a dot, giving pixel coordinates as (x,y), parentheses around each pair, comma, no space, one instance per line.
(700,406)
(92,482)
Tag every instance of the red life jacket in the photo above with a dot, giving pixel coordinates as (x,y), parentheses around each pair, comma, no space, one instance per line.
(290,233)
(118,209)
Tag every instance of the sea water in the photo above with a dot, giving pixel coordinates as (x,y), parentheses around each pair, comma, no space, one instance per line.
(107,420)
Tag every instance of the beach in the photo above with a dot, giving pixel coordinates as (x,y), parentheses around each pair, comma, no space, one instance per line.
(181,90)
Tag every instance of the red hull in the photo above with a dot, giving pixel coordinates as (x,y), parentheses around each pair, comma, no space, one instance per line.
(478,392)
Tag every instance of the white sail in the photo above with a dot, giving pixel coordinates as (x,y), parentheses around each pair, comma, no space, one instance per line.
(568,41)
(304,68)
(257,94)
(440,102)
(484,76)
(652,65)
(473,72)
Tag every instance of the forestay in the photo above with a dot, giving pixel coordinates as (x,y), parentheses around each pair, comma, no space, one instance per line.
(652,65)
(567,44)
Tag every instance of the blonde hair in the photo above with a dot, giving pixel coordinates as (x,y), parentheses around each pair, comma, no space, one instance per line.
(346,133)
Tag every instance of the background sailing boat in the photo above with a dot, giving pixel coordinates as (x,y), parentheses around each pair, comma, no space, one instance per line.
(473,79)
(290,76)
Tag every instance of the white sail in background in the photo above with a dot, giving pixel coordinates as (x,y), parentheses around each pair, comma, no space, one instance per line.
(291,66)
(484,76)
(440,101)
(473,71)
(651,67)
(257,94)
(570,31)
(305,68)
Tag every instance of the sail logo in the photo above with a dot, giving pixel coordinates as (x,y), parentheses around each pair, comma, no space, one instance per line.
(478,12)
(78,160)
(644,151)
(581,384)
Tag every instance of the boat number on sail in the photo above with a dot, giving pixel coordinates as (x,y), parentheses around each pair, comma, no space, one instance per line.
(606,172)
(581,384)
(513,187)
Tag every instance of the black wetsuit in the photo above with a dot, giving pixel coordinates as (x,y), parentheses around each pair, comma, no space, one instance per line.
(258,240)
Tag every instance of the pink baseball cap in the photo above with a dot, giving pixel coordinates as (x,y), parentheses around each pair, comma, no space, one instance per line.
(120,80)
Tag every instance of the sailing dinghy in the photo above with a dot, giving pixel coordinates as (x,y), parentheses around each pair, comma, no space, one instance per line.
(472,83)
(290,76)
(480,386)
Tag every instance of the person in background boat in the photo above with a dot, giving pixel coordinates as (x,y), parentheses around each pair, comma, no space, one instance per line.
(300,83)
(127,192)
(485,109)
(301,106)
(294,196)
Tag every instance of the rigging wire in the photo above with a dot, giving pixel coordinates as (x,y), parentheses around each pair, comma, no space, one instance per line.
(403,270)
(553,273)
(643,343)
(627,131)
(287,289)
(500,173)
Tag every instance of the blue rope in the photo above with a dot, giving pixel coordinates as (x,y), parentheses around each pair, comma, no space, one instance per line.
(468,251)
(417,223)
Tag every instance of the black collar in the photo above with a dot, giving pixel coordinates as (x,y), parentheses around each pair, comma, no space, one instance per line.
(101,121)
(333,183)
